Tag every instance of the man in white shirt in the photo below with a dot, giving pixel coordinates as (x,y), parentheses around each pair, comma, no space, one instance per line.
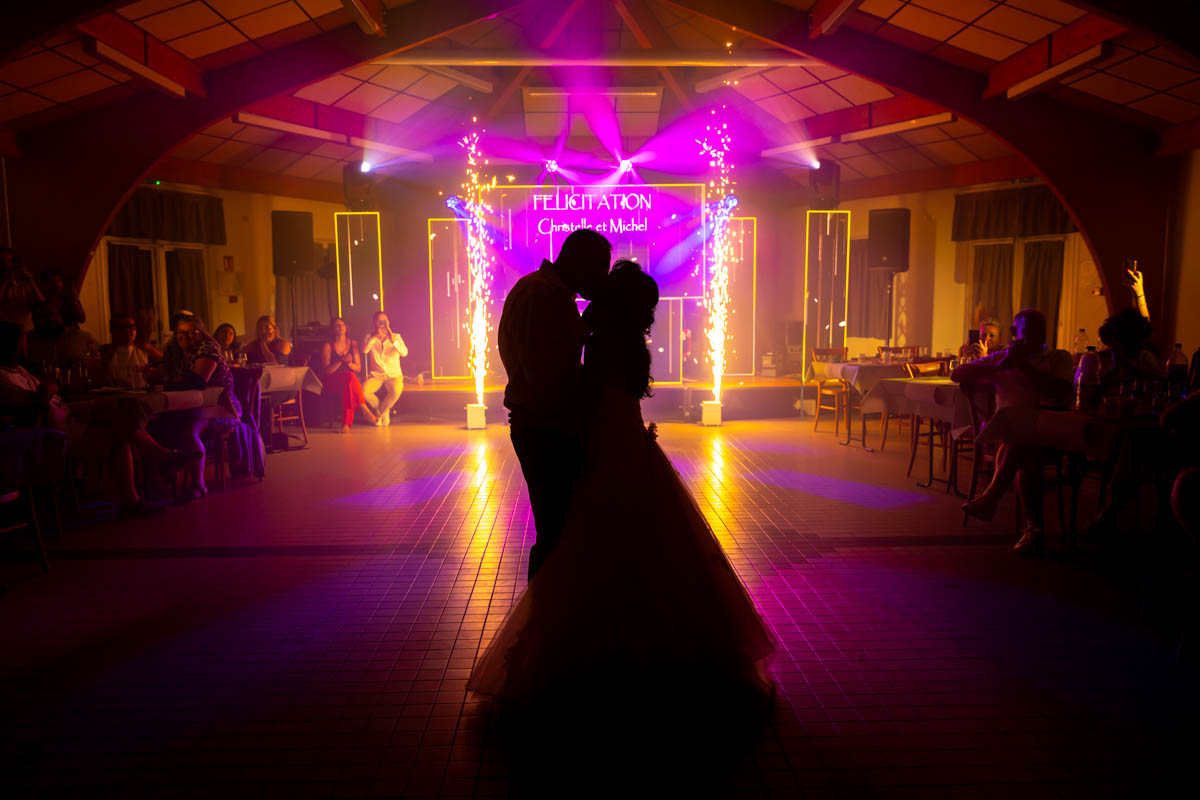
(383,350)
(1025,375)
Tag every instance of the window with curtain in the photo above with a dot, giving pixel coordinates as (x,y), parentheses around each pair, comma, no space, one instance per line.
(992,283)
(869,295)
(186,288)
(130,279)
(1041,280)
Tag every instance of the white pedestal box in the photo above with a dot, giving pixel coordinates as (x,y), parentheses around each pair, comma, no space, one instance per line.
(710,412)
(476,416)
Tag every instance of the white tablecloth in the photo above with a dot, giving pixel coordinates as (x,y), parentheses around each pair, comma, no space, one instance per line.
(289,379)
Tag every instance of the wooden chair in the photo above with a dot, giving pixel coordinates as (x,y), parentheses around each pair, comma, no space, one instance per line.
(908,351)
(929,369)
(27,519)
(885,421)
(831,388)
(290,410)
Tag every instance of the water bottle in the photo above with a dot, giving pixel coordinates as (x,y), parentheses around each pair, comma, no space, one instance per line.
(1087,383)
(1081,342)
(1177,373)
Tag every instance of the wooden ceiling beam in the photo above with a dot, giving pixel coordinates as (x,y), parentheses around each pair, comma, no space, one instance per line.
(544,39)
(826,16)
(954,176)
(1051,58)
(119,42)
(240,179)
(650,34)
(368,15)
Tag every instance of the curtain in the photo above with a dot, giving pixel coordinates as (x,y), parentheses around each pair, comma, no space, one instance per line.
(1008,213)
(170,216)
(130,279)
(1041,281)
(991,282)
(869,295)
(186,288)
(304,298)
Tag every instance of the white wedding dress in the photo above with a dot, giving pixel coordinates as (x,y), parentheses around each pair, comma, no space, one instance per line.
(638,593)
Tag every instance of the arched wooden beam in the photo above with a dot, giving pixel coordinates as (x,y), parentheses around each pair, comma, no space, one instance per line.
(1103,170)
(77,172)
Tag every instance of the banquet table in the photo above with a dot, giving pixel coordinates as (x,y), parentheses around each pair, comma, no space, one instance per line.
(863,376)
(936,398)
(207,401)
(277,379)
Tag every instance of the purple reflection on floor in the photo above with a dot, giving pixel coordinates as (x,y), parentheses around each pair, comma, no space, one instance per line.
(434,452)
(406,493)
(759,446)
(866,495)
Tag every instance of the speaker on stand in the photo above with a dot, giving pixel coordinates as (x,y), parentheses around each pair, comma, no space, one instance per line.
(887,250)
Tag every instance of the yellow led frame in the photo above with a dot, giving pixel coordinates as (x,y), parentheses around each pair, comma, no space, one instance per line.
(703,264)
(337,228)
(753,296)
(845,297)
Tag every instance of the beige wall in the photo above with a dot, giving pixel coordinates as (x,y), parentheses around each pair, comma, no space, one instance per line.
(248,237)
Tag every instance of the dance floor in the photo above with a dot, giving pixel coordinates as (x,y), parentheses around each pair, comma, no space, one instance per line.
(311,636)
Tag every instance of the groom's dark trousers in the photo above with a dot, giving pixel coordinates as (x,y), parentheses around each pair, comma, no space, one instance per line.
(551,460)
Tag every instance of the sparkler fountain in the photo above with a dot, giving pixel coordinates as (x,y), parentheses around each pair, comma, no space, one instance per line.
(716,145)
(479,260)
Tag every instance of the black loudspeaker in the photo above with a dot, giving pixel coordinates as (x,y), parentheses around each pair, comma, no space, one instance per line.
(825,186)
(887,239)
(292,242)
(358,188)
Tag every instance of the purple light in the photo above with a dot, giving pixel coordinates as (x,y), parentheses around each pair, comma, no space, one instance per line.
(364,166)
(866,495)
(815,164)
(551,165)
(626,165)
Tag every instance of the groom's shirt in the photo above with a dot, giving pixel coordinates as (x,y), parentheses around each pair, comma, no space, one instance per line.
(541,339)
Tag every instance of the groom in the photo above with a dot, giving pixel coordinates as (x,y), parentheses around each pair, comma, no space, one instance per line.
(541,339)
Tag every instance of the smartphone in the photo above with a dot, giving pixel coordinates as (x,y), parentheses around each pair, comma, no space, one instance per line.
(973,336)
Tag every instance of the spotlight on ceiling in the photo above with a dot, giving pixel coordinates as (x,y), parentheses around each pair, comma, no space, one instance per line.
(626,165)
(364,166)
(815,164)
(551,165)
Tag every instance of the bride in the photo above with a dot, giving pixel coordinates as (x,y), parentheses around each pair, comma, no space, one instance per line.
(637,602)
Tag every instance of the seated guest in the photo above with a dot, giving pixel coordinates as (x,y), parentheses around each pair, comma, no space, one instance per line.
(124,362)
(18,292)
(1126,334)
(383,350)
(1025,375)
(55,344)
(226,338)
(192,360)
(105,432)
(989,342)
(56,290)
(340,361)
(269,347)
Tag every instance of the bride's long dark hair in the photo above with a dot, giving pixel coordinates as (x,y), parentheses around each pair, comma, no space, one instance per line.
(621,319)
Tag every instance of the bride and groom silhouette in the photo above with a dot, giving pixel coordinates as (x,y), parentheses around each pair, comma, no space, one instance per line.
(631,599)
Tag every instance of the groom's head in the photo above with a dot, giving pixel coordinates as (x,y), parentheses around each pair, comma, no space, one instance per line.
(583,261)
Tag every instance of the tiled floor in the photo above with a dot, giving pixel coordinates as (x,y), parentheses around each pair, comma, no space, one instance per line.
(312,635)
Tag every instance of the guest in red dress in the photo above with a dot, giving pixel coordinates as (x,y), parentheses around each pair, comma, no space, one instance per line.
(341,360)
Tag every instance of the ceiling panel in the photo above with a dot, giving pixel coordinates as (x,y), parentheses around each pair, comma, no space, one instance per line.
(365,99)
(209,40)
(987,44)
(236,8)
(77,84)
(431,87)
(907,159)
(18,104)
(180,21)
(399,108)
(197,147)
(270,20)
(788,78)
(985,146)
(858,91)
(962,10)
(927,23)
(1167,107)
(756,87)
(948,152)
(37,68)
(1056,10)
(1017,24)
(1152,72)
(1111,88)
(328,91)
(784,108)
(309,166)
(869,166)
(820,98)
(398,77)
